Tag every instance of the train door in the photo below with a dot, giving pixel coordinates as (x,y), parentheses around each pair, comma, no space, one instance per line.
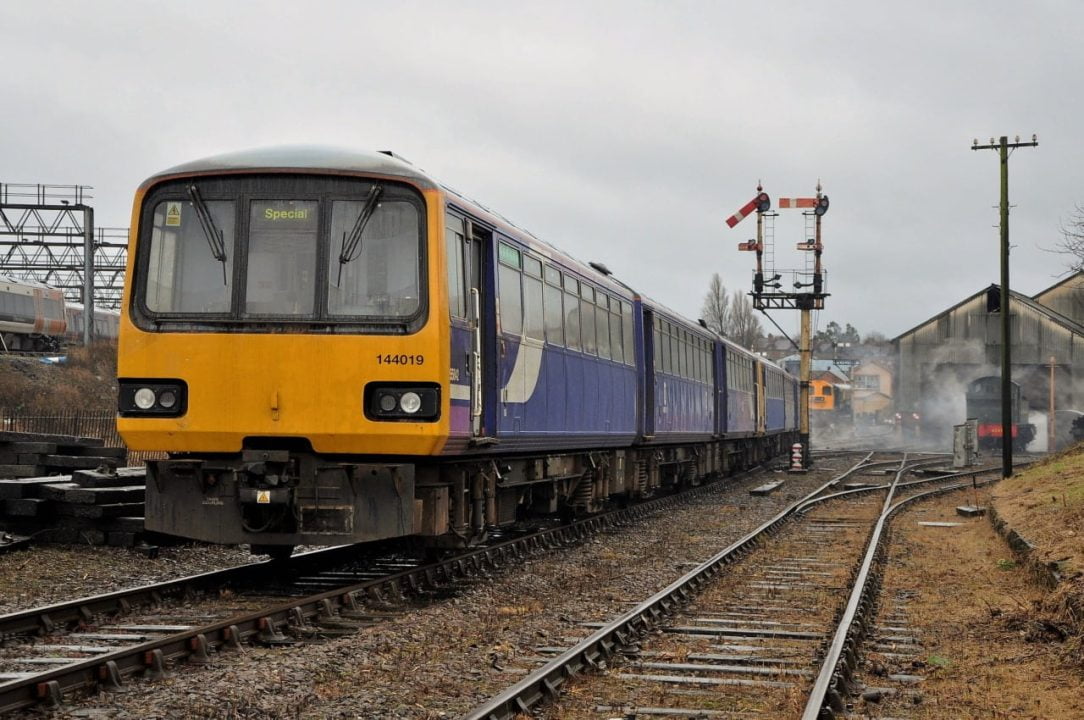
(466,247)
(478,241)
(761,395)
(651,359)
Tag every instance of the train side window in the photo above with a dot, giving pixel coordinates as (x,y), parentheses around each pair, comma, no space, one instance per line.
(602,328)
(509,291)
(553,315)
(686,355)
(572,313)
(532,266)
(627,332)
(553,275)
(532,305)
(453,240)
(587,321)
(617,342)
(674,366)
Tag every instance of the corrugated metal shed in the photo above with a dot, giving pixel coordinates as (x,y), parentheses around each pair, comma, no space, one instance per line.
(939,357)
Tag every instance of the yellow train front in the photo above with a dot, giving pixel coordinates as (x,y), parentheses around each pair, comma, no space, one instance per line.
(278,327)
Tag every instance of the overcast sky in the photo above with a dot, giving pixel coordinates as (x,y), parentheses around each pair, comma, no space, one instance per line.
(624,132)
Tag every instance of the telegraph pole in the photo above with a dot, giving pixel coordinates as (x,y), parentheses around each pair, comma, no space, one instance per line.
(1003,146)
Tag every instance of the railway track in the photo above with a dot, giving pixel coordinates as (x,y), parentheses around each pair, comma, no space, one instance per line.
(52,652)
(767,636)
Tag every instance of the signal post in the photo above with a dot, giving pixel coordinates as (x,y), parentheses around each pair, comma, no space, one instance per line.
(768,294)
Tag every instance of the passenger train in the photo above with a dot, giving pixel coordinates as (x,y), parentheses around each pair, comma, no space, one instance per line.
(333,347)
(31,315)
(36,318)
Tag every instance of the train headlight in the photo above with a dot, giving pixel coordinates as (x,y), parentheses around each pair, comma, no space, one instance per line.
(410,402)
(416,402)
(144,398)
(152,398)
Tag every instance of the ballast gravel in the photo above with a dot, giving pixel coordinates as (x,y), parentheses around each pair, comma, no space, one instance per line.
(440,658)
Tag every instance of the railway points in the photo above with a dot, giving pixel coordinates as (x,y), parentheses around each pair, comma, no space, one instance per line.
(149,619)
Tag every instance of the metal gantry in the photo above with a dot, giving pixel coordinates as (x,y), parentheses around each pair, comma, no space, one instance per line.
(47,235)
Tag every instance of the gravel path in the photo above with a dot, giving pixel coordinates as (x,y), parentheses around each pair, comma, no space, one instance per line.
(438,659)
(48,574)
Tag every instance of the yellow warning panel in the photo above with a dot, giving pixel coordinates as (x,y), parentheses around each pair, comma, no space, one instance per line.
(263,497)
(173,214)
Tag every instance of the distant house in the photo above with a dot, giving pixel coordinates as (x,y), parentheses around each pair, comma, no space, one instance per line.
(871,391)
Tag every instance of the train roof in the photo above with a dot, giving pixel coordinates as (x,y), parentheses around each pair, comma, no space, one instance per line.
(12,280)
(337,160)
(303,157)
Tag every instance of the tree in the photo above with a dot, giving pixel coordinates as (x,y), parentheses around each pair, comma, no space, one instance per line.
(744,326)
(716,310)
(850,335)
(875,337)
(1072,240)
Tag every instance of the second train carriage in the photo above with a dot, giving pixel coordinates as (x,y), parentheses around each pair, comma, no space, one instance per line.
(31,315)
(333,347)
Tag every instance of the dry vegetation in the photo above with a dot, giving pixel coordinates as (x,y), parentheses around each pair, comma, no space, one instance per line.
(992,647)
(87,382)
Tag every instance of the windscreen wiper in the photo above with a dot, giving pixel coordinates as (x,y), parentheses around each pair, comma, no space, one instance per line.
(351,245)
(210,230)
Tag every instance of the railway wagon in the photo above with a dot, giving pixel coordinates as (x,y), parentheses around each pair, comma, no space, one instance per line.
(983,401)
(106,322)
(333,347)
(31,316)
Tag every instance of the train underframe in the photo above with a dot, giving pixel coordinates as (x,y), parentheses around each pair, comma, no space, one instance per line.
(33,342)
(277,498)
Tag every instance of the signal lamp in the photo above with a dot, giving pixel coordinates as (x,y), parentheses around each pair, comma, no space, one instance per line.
(822,206)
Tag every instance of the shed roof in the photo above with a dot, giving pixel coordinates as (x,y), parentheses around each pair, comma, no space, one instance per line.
(1052,315)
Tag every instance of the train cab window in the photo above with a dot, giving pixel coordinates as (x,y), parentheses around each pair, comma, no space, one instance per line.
(281,277)
(572,312)
(553,317)
(508,292)
(454,235)
(184,273)
(626,334)
(383,278)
